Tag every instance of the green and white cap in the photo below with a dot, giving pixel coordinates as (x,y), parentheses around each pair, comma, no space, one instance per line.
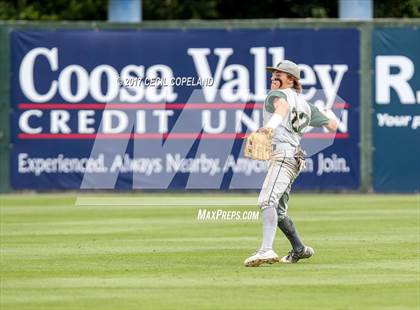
(286,66)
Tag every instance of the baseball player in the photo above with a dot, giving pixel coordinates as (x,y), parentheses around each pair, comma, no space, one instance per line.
(286,116)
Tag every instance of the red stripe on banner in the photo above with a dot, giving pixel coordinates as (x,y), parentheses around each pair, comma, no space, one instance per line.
(132,136)
(124,136)
(341,105)
(172,106)
(316,135)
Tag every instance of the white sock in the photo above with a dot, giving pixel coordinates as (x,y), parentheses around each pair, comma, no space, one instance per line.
(269,221)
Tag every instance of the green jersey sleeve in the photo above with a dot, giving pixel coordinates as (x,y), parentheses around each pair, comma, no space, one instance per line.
(318,119)
(269,101)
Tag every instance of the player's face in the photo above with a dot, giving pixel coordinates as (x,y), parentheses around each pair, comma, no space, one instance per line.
(280,80)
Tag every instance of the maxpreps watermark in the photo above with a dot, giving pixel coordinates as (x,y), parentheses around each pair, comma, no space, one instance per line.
(223,215)
(165,82)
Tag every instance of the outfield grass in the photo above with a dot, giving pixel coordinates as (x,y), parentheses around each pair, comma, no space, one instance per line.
(118,255)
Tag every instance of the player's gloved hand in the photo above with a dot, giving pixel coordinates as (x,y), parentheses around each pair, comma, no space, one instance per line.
(258,144)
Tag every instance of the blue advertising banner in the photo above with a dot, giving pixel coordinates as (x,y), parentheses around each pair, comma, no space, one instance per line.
(396,117)
(159,109)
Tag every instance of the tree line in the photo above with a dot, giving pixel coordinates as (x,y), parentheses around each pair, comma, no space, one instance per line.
(197,9)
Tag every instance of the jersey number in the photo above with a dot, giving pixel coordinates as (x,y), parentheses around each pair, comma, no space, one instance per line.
(299,121)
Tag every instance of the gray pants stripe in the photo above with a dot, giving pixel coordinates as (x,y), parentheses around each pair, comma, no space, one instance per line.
(277,185)
(278,173)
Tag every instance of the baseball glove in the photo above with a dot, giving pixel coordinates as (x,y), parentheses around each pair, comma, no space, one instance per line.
(258,144)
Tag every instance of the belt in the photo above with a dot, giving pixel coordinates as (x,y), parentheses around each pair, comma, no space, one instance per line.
(289,151)
(284,153)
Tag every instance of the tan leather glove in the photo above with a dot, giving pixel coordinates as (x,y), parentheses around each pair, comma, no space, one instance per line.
(258,144)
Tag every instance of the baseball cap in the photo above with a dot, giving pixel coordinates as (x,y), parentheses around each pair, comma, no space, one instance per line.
(286,66)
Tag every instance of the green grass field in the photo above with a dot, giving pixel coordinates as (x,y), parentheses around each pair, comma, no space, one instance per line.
(151,252)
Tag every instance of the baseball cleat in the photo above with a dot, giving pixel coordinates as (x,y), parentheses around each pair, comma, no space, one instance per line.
(293,256)
(261,257)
